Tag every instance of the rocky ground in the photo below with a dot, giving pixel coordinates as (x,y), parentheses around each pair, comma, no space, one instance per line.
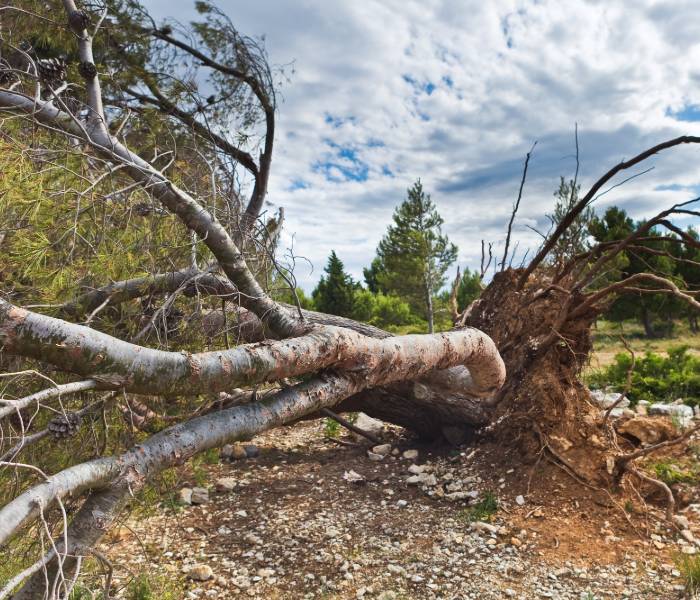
(306,517)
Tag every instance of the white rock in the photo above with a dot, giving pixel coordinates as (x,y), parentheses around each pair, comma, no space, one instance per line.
(374,456)
(422,479)
(688,535)
(368,424)
(607,399)
(519,500)
(402,503)
(225,484)
(454,496)
(353,477)
(410,454)
(185,496)
(382,449)
(681,521)
(683,413)
(416,469)
(485,527)
(200,495)
(266,572)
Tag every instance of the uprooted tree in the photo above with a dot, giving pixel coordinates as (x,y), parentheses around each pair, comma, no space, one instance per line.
(141,142)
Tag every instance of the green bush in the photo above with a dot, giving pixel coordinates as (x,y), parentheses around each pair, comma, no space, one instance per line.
(381,310)
(482,510)
(655,378)
(670,472)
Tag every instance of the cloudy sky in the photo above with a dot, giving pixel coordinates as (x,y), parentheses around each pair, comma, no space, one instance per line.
(456,92)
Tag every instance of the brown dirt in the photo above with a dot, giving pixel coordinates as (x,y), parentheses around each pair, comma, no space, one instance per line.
(327,538)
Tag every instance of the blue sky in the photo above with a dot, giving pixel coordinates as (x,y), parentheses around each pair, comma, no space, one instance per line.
(378,94)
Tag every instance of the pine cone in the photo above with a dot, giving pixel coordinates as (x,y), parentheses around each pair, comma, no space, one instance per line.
(7,77)
(52,71)
(64,426)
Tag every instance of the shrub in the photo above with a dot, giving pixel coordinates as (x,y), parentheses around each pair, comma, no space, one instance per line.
(655,378)
(381,310)
(331,427)
(482,510)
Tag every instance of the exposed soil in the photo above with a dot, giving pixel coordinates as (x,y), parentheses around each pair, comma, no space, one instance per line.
(293,527)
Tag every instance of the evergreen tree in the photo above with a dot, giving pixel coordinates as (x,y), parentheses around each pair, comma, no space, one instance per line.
(469,289)
(574,240)
(335,292)
(649,309)
(414,255)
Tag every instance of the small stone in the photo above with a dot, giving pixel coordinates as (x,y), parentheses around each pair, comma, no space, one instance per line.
(388,595)
(266,572)
(200,572)
(225,484)
(454,496)
(353,477)
(410,454)
(252,539)
(515,542)
(485,527)
(185,496)
(233,452)
(226,452)
(416,469)
(402,503)
(374,456)
(200,495)
(251,451)
(519,500)
(511,593)
(681,521)
(382,449)
(688,535)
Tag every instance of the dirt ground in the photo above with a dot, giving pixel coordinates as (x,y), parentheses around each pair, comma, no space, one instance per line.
(294,527)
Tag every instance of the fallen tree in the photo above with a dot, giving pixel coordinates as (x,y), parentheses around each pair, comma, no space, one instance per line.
(510,367)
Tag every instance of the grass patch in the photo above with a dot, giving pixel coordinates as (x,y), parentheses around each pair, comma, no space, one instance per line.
(671,472)
(689,566)
(482,510)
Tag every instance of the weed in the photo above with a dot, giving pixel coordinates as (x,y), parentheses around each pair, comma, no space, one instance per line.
(689,566)
(331,428)
(152,588)
(211,456)
(482,510)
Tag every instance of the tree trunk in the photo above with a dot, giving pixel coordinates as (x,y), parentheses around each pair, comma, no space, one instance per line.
(648,323)
(429,303)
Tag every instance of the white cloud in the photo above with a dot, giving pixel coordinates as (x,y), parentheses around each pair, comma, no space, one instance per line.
(505,73)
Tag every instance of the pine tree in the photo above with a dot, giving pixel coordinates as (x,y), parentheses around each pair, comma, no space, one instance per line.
(574,240)
(649,309)
(470,288)
(335,292)
(414,255)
